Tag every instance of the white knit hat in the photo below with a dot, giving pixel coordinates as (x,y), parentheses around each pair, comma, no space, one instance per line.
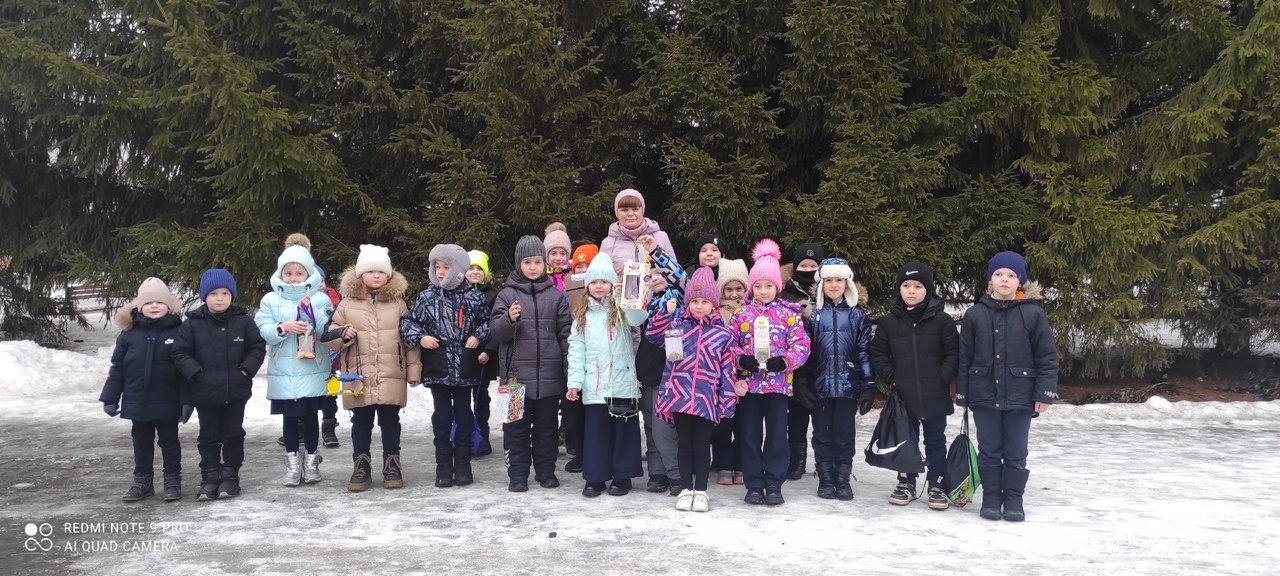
(373,259)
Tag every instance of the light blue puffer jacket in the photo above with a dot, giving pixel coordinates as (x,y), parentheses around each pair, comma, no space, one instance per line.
(601,361)
(290,377)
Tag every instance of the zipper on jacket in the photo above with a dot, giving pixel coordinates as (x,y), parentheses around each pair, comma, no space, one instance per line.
(835,354)
(537,340)
(915,359)
(146,367)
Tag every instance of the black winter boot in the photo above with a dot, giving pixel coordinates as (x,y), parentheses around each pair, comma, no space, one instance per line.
(392,477)
(798,461)
(141,488)
(444,467)
(329,432)
(826,479)
(992,492)
(229,482)
(485,447)
(208,485)
(462,465)
(1014,483)
(361,473)
(172,486)
(843,490)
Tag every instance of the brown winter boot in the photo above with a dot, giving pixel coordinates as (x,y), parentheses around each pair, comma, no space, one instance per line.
(362,474)
(391,476)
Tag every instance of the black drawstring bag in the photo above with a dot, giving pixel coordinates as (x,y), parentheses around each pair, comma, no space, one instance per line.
(962,478)
(895,443)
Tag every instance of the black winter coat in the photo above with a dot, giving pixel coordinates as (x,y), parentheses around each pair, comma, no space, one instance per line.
(919,359)
(142,370)
(219,354)
(535,348)
(1008,360)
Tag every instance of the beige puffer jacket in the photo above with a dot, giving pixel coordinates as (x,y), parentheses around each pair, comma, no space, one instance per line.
(377,353)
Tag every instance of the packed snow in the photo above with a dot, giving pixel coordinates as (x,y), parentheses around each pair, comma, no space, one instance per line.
(1155,488)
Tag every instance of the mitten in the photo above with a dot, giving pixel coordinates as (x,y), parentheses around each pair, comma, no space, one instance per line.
(110,409)
(749,363)
(866,401)
(776,364)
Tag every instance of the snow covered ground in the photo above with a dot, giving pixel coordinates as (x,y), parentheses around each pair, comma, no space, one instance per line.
(1156,488)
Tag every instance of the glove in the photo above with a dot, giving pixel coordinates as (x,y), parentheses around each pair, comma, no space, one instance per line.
(776,364)
(804,396)
(187,409)
(866,401)
(748,363)
(110,409)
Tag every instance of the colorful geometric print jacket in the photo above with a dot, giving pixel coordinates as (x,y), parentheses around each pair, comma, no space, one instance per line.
(787,338)
(451,317)
(700,383)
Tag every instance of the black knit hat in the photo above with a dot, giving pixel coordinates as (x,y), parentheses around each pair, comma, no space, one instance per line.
(918,272)
(704,240)
(809,251)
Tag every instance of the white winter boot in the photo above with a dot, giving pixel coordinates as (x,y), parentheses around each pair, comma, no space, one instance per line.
(311,473)
(292,469)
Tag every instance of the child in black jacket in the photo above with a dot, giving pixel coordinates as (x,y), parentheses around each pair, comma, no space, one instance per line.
(915,350)
(219,350)
(1008,374)
(144,387)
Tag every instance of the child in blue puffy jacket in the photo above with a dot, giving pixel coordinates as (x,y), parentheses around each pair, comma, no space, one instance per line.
(839,373)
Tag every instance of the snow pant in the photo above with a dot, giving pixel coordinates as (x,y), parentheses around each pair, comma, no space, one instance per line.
(452,405)
(935,445)
(611,446)
(797,427)
(310,433)
(571,414)
(329,407)
(726,449)
(661,447)
(695,449)
(833,430)
(1002,436)
(762,419)
(532,439)
(481,398)
(221,439)
(146,434)
(362,428)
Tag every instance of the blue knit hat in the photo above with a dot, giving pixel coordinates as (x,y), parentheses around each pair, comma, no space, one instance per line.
(216,278)
(1010,260)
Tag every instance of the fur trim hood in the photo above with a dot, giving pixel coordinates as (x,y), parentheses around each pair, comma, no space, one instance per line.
(352,287)
(1030,291)
(124,317)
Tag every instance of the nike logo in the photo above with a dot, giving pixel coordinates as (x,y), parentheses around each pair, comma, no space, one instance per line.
(878,451)
(910,272)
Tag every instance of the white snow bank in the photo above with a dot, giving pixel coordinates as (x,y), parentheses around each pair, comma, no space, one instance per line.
(28,370)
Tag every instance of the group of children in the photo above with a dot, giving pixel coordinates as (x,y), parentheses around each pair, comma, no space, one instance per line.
(716,355)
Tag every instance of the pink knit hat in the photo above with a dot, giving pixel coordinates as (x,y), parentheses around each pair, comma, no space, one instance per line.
(625,193)
(702,284)
(765,255)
